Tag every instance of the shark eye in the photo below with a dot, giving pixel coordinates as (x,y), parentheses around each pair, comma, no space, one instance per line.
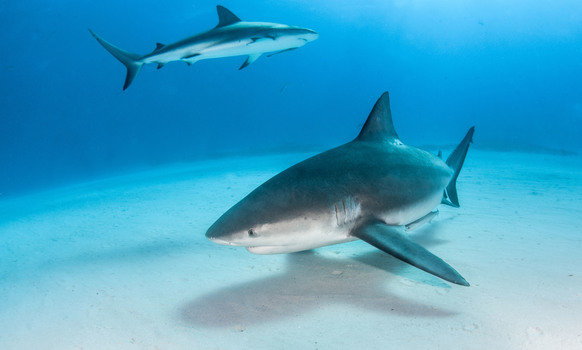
(252,233)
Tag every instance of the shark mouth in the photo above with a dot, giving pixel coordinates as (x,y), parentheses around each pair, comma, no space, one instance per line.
(272,249)
(223,242)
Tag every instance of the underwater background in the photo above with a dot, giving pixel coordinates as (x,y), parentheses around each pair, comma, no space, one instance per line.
(106,195)
(511,68)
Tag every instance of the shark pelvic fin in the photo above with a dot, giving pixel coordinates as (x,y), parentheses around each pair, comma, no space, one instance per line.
(225,17)
(131,61)
(423,220)
(286,50)
(188,57)
(392,240)
(455,162)
(379,125)
(250,59)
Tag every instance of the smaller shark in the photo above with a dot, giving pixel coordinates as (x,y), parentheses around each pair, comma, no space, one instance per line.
(374,188)
(230,37)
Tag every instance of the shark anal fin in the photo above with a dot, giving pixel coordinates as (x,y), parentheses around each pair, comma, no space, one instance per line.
(161,65)
(250,59)
(286,50)
(225,17)
(392,240)
(446,201)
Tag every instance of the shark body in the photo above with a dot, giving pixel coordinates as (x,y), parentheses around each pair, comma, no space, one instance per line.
(230,37)
(373,188)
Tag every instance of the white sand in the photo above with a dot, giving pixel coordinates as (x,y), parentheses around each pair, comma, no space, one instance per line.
(123,263)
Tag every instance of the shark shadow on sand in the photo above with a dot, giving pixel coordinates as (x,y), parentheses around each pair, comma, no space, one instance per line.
(312,282)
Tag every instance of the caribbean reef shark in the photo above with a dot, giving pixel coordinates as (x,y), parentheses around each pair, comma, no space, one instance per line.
(231,37)
(374,188)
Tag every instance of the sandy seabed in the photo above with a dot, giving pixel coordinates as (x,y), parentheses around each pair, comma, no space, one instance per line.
(122,263)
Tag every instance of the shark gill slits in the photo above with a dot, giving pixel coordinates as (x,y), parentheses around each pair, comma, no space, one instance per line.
(347,211)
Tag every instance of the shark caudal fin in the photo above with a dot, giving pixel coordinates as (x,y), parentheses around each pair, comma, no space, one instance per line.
(131,61)
(455,162)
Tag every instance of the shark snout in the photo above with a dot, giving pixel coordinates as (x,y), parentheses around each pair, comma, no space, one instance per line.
(310,35)
(222,232)
(217,236)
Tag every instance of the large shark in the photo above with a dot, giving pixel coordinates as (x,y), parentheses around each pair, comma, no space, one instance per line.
(230,37)
(374,188)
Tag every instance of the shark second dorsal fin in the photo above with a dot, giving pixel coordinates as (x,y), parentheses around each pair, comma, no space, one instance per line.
(225,17)
(379,126)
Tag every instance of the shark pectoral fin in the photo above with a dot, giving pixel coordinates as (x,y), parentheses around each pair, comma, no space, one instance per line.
(250,59)
(392,240)
(274,53)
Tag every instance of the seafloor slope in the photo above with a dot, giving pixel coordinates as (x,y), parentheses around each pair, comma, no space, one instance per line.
(123,263)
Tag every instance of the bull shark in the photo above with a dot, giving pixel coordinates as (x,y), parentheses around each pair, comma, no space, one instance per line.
(374,188)
(230,37)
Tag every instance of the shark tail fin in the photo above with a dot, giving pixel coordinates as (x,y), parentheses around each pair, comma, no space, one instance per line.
(131,61)
(455,162)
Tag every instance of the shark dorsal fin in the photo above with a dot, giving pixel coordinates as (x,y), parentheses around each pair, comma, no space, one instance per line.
(379,126)
(158,47)
(225,17)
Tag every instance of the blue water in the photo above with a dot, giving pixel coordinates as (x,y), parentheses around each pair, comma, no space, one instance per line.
(513,69)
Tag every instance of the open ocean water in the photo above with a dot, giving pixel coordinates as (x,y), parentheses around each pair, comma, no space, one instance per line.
(105,194)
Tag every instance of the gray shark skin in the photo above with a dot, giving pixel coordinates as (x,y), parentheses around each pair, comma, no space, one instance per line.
(373,188)
(230,37)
